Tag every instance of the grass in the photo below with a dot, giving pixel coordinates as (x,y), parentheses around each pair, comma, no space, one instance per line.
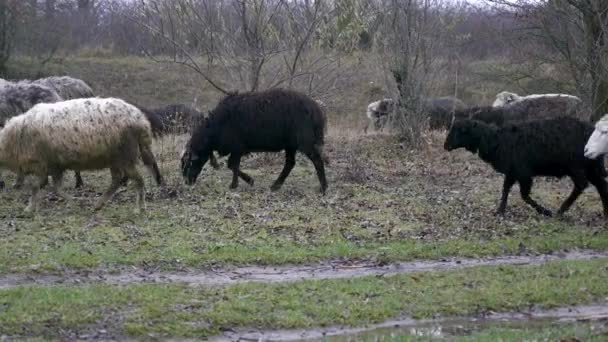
(422,205)
(181,311)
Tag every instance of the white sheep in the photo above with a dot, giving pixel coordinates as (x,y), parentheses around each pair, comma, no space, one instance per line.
(597,144)
(505,98)
(82,134)
(378,113)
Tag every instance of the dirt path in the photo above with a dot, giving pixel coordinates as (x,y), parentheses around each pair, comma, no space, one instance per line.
(270,274)
(424,327)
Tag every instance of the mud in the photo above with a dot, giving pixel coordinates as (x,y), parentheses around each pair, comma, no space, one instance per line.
(432,328)
(276,274)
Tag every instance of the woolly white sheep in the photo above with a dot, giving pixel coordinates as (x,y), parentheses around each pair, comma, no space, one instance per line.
(505,98)
(82,134)
(378,112)
(597,144)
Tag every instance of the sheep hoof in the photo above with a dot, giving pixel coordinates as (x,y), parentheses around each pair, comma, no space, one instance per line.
(275,187)
(2,184)
(500,212)
(233,186)
(546,212)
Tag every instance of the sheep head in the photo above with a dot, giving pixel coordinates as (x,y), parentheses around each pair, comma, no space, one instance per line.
(463,133)
(192,163)
(597,144)
(504,98)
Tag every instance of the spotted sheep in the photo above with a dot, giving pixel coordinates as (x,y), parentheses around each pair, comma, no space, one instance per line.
(81,134)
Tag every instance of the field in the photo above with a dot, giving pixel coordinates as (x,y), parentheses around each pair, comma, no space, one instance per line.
(403,237)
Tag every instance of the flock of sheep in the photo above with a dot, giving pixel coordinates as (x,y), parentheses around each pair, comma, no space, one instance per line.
(56,124)
(523,137)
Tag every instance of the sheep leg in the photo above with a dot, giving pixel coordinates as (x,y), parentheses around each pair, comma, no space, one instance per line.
(79,182)
(116,178)
(580,183)
(35,198)
(57,184)
(506,188)
(290,162)
(317,160)
(140,199)
(602,188)
(525,186)
(150,162)
(234,162)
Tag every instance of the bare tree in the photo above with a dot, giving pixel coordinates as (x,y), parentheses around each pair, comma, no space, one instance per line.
(10,12)
(414,32)
(570,34)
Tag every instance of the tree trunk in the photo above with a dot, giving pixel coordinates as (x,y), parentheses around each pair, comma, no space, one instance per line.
(596,22)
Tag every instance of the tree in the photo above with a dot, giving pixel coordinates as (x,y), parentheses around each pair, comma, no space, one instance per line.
(9,20)
(571,34)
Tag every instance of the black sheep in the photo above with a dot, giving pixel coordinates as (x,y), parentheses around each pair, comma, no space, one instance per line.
(551,147)
(497,116)
(268,121)
(177,118)
(440,111)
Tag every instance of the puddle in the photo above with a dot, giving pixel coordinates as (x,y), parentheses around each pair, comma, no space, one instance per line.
(275,274)
(430,328)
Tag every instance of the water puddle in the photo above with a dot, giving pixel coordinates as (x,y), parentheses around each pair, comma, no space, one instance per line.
(275,274)
(597,315)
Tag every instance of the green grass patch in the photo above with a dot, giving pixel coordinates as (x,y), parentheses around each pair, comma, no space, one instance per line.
(177,310)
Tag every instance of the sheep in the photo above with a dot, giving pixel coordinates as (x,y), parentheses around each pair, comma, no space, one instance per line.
(523,110)
(440,111)
(546,104)
(378,113)
(17,98)
(176,118)
(597,145)
(68,88)
(268,121)
(81,134)
(551,147)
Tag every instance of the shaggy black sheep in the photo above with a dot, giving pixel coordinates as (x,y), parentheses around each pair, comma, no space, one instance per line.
(440,111)
(551,147)
(497,116)
(176,118)
(534,108)
(268,121)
